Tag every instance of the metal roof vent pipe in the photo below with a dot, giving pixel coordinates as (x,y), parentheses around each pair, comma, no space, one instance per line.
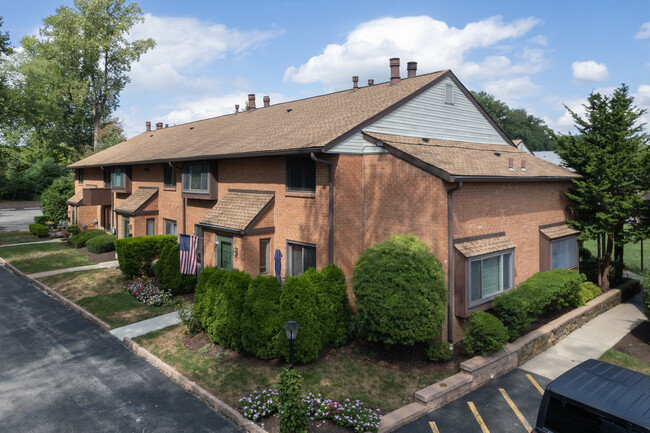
(412,68)
(267,101)
(371,82)
(251,101)
(355,83)
(147,126)
(394,71)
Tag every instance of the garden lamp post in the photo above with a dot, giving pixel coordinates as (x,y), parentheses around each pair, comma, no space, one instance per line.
(291,329)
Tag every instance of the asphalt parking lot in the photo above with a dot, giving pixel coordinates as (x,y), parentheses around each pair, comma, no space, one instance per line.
(508,404)
(17,219)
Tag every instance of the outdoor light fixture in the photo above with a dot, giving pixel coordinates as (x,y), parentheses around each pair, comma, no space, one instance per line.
(291,329)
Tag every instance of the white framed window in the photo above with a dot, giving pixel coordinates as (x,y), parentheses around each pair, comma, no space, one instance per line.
(196,178)
(300,257)
(170,227)
(489,275)
(564,253)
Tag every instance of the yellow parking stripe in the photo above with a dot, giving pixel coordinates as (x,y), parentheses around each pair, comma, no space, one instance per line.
(479,420)
(434,427)
(515,410)
(534,382)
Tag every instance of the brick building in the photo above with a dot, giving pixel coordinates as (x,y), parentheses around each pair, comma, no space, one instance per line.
(323,178)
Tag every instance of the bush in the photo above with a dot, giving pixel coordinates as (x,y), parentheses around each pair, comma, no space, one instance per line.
(41,219)
(79,240)
(588,265)
(261,319)
(645,292)
(588,291)
(39,230)
(293,415)
(400,292)
(101,244)
(186,315)
(551,290)
(71,230)
(205,295)
(439,351)
(484,334)
(19,186)
(334,305)
(54,198)
(168,271)
(229,292)
(136,255)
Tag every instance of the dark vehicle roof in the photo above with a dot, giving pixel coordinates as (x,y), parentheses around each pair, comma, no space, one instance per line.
(608,388)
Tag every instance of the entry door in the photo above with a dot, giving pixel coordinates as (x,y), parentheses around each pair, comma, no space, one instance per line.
(224,252)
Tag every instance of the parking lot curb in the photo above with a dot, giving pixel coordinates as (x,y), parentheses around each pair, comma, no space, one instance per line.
(479,370)
(59,297)
(218,405)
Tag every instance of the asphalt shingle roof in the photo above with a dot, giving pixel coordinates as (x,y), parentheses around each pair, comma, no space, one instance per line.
(136,200)
(237,209)
(559,231)
(484,246)
(77,198)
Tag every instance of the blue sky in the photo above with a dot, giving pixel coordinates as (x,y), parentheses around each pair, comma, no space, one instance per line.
(534,55)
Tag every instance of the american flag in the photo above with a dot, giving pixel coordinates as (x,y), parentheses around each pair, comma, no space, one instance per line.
(189,245)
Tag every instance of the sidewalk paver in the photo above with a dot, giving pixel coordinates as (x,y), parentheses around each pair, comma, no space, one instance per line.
(590,341)
(103,265)
(146,326)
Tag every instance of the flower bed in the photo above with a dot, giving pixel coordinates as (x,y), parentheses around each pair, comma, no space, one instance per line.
(349,413)
(146,292)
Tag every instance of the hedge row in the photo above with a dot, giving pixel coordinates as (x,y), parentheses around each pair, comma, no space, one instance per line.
(247,313)
(101,244)
(40,219)
(136,255)
(79,240)
(39,230)
(520,307)
(168,271)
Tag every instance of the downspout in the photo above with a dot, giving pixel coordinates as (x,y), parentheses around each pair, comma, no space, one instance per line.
(450,261)
(330,249)
(363,197)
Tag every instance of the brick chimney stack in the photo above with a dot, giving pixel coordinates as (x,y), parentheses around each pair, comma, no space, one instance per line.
(236,108)
(394,71)
(267,101)
(159,125)
(412,68)
(371,82)
(355,83)
(251,101)
(147,126)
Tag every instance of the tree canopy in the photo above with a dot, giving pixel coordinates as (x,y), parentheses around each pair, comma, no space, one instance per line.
(517,123)
(611,154)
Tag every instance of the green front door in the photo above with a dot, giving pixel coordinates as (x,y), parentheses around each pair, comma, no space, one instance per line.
(224,252)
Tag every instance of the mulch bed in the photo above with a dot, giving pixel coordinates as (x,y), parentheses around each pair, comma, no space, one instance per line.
(637,342)
(95,258)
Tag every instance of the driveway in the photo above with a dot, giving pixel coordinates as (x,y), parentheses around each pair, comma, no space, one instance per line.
(17,219)
(60,373)
(508,404)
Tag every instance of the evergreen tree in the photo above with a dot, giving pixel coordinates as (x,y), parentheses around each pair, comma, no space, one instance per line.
(610,154)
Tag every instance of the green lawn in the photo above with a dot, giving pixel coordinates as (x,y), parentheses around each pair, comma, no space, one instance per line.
(7,238)
(616,357)
(43,257)
(631,255)
(339,376)
(101,291)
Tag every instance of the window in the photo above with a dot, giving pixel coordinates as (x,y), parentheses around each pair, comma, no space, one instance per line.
(81,176)
(117,177)
(126,232)
(170,227)
(265,254)
(301,257)
(564,253)
(198,232)
(301,173)
(489,275)
(169,176)
(151,227)
(449,94)
(195,178)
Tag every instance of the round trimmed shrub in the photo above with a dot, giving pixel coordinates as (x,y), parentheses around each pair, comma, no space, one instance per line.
(588,291)
(223,327)
(205,295)
(439,351)
(484,334)
(101,244)
(72,230)
(260,318)
(39,230)
(136,255)
(40,219)
(400,292)
(168,271)
(80,239)
(54,198)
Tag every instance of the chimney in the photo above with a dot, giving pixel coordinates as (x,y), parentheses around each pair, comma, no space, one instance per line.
(371,82)
(147,126)
(159,125)
(412,68)
(267,101)
(394,71)
(236,108)
(523,164)
(511,163)
(355,83)
(166,125)
(251,101)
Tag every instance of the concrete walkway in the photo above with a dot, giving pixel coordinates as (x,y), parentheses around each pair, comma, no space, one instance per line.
(146,326)
(103,265)
(32,243)
(590,341)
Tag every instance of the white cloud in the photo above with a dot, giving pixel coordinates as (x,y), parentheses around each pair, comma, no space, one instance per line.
(589,71)
(432,43)
(644,31)
(539,40)
(512,88)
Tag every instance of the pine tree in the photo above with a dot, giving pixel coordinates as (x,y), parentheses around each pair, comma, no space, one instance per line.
(610,154)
